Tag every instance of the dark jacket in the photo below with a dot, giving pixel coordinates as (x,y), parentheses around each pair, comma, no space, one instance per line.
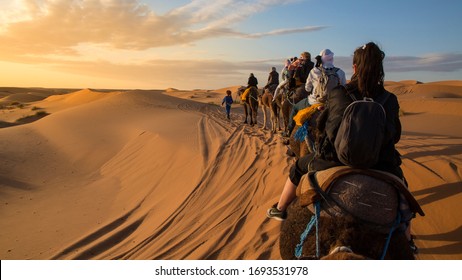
(252,81)
(273,78)
(303,70)
(329,122)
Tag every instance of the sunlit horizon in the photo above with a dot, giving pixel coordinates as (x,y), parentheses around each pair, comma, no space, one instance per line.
(129,44)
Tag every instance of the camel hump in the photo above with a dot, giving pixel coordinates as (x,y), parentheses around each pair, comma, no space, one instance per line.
(369,195)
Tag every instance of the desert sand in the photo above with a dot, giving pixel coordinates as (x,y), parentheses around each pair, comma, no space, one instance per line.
(162,174)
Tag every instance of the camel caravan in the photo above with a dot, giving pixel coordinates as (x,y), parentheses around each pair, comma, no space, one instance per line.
(346,196)
(275,105)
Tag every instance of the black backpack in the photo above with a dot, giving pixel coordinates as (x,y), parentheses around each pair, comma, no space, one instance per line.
(361,133)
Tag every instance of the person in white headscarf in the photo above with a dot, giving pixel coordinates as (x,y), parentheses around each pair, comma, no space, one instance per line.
(324,60)
(327,58)
(327,63)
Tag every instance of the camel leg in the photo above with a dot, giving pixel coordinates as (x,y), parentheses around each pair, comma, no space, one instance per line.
(274,117)
(255,112)
(278,117)
(273,121)
(251,113)
(250,116)
(286,108)
(264,117)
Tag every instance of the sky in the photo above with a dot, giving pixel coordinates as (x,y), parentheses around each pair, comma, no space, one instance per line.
(204,44)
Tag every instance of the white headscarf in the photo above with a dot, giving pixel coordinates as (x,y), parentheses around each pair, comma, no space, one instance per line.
(327,57)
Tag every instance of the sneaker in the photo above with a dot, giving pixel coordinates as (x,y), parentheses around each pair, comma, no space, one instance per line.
(274,213)
(414,248)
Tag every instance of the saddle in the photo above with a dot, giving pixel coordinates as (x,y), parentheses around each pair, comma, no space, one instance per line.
(371,196)
(271,89)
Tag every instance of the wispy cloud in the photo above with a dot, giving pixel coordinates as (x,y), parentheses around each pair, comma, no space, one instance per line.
(438,62)
(288,31)
(123,39)
(58,26)
(222,13)
(160,73)
(219,73)
(445,62)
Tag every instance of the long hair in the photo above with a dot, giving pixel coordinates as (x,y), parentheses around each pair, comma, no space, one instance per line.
(369,75)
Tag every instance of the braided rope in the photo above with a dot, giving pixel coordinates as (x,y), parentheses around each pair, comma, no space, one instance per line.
(314,221)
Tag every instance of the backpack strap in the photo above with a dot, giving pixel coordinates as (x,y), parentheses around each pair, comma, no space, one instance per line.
(335,70)
(351,94)
(336,74)
(382,98)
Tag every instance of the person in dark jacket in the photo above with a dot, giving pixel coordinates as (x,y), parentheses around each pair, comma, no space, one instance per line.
(273,78)
(367,81)
(252,82)
(304,67)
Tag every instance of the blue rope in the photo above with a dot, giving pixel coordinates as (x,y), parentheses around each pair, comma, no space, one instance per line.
(313,221)
(301,132)
(392,229)
(299,247)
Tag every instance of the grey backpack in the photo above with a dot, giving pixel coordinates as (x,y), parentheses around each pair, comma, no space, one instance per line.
(361,133)
(328,80)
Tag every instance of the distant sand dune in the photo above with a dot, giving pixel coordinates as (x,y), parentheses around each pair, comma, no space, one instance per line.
(161,175)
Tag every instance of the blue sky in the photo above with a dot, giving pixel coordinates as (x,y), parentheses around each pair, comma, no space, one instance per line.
(213,44)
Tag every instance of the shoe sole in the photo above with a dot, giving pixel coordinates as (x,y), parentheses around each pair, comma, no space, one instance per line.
(273,217)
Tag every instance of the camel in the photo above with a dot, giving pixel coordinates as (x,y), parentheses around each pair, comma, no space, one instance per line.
(250,104)
(345,229)
(303,147)
(362,242)
(266,101)
(299,148)
(283,104)
(286,100)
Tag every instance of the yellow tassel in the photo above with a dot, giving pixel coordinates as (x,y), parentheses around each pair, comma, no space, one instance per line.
(305,114)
